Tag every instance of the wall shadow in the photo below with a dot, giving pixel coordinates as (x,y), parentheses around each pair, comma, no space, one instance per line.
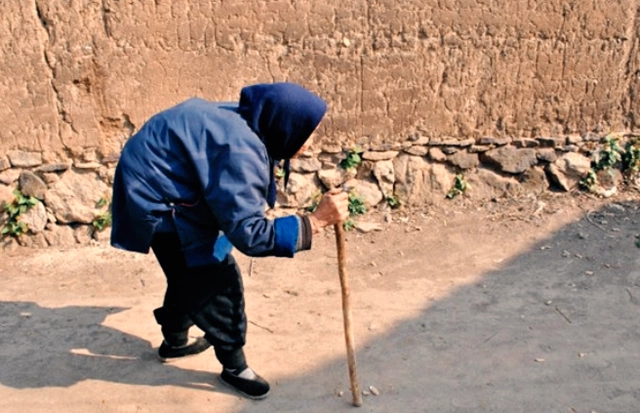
(555,329)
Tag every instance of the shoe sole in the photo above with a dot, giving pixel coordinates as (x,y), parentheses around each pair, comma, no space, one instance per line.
(263,396)
(174,359)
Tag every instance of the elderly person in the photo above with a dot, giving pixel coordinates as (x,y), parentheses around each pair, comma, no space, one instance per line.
(193,183)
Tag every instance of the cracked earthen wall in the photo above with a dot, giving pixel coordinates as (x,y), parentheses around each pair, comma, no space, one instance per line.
(82,75)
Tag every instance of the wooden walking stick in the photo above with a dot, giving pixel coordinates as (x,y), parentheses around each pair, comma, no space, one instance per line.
(346,314)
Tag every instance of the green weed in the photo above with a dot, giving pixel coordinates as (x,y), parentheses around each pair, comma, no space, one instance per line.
(460,186)
(349,224)
(102,202)
(631,157)
(102,221)
(590,180)
(612,156)
(356,205)
(353,158)
(393,201)
(21,203)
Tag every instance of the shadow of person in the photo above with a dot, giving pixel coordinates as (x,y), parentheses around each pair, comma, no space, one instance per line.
(59,347)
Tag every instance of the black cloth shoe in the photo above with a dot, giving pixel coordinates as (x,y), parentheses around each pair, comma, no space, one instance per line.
(253,386)
(168,353)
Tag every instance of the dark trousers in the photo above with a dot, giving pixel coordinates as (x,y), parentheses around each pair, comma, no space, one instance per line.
(210,296)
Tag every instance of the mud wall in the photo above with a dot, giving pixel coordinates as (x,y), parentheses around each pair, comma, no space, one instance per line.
(79,76)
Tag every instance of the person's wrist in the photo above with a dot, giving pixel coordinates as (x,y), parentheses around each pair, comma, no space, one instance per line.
(316,224)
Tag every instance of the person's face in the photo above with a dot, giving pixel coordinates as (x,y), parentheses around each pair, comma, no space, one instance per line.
(304,147)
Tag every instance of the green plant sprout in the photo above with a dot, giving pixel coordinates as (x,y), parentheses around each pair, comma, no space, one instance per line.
(353,158)
(460,186)
(590,180)
(631,157)
(102,202)
(611,155)
(21,203)
(393,201)
(103,219)
(356,207)
(349,224)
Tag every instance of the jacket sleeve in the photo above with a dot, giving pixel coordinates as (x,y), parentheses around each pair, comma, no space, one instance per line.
(235,190)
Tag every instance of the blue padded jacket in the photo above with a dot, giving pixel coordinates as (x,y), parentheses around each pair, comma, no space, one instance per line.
(205,168)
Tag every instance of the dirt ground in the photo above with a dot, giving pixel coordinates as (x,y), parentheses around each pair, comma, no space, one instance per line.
(509,306)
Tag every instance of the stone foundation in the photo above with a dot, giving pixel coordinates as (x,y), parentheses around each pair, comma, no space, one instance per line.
(419,171)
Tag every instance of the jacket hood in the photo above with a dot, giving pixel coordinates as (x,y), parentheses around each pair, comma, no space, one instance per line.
(283,115)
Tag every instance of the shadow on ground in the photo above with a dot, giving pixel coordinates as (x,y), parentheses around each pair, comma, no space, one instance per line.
(59,347)
(556,329)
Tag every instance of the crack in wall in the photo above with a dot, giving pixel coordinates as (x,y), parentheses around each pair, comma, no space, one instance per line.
(633,75)
(42,19)
(367,22)
(105,18)
(560,39)
(63,115)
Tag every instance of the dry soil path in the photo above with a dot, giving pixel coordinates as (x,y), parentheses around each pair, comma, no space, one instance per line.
(503,307)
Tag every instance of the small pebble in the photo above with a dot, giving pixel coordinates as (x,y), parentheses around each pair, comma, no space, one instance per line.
(616,207)
(374,391)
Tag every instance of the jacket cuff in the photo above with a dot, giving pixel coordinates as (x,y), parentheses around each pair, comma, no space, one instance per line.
(287,230)
(305,234)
